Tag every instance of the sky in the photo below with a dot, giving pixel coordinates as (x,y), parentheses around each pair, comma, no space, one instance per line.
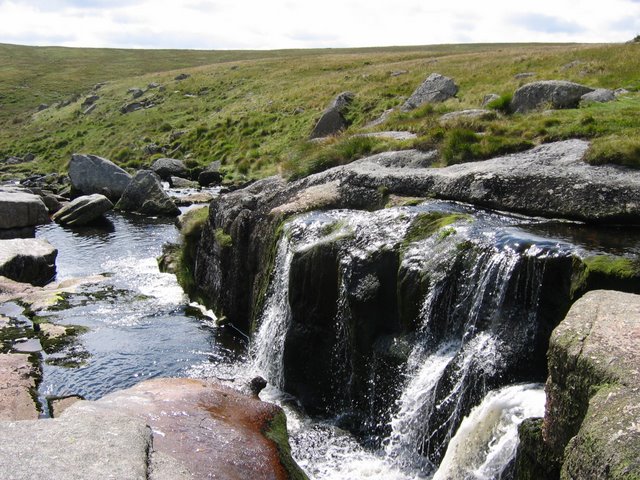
(272,24)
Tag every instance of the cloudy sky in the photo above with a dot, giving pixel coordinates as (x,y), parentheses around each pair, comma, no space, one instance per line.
(267,24)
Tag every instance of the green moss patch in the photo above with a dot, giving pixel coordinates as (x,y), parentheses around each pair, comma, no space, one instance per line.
(606,272)
(427,224)
(223,239)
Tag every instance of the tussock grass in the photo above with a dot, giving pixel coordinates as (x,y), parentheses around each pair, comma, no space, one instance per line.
(253,111)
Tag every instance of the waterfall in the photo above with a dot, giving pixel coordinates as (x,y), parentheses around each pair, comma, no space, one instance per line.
(487,438)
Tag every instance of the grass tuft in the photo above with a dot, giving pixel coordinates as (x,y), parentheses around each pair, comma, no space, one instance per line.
(614,149)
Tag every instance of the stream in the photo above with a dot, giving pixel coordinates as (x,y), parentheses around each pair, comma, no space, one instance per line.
(140,325)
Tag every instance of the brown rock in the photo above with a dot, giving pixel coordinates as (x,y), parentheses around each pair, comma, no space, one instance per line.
(16,380)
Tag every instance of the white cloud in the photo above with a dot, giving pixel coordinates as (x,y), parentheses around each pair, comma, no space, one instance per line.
(292,24)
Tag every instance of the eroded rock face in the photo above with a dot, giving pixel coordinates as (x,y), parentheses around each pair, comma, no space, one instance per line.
(555,93)
(28,260)
(145,195)
(83,210)
(333,120)
(593,393)
(20,209)
(92,174)
(436,88)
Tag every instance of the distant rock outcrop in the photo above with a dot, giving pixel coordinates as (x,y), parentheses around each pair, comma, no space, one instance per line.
(555,93)
(83,210)
(145,195)
(333,118)
(28,260)
(92,174)
(436,88)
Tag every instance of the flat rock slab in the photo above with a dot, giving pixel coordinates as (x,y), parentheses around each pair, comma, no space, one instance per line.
(28,260)
(208,430)
(21,209)
(16,380)
(87,445)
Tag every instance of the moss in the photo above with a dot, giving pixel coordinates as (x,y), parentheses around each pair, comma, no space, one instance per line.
(605,272)
(427,224)
(277,432)
(223,239)
(614,149)
(533,460)
(55,344)
(193,221)
(502,103)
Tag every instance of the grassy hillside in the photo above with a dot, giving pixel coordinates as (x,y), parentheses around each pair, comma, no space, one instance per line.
(254,109)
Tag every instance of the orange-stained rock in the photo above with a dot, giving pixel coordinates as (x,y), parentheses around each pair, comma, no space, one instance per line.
(211,430)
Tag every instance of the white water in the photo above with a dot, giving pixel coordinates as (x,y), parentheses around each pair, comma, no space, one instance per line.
(488,437)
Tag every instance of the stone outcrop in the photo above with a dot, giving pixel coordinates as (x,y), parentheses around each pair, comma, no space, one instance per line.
(590,428)
(333,118)
(145,195)
(160,429)
(211,175)
(168,167)
(92,174)
(20,209)
(16,386)
(436,88)
(599,95)
(28,260)
(83,210)
(554,93)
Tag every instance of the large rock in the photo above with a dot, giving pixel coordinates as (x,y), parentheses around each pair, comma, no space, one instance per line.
(590,428)
(333,120)
(145,195)
(168,167)
(92,174)
(211,175)
(28,260)
(205,427)
(600,95)
(20,209)
(436,88)
(554,93)
(16,383)
(83,210)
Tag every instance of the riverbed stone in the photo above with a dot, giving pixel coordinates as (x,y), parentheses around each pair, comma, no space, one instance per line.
(17,379)
(168,167)
(211,175)
(28,260)
(20,209)
(435,89)
(555,93)
(145,195)
(92,174)
(83,210)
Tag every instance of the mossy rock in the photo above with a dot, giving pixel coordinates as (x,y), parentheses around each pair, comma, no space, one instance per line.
(427,224)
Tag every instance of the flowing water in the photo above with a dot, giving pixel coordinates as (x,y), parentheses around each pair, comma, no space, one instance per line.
(457,410)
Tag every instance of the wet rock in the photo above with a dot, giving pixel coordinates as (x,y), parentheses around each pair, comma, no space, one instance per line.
(593,390)
(83,210)
(21,209)
(473,114)
(92,174)
(31,345)
(194,198)
(145,195)
(204,427)
(436,88)
(17,378)
(179,182)
(333,118)
(211,175)
(28,260)
(599,95)
(168,167)
(555,93)
(257,384)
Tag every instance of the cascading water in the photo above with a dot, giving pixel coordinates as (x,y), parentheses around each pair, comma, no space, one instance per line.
(482,289)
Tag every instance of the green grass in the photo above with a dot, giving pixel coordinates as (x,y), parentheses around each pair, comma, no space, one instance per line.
(254,110)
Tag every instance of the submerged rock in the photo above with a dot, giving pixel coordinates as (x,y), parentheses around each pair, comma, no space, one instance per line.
(436,88)
(555,93)
(333,118)
(83,210)
(92,174)
(28,260)
(145,195)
